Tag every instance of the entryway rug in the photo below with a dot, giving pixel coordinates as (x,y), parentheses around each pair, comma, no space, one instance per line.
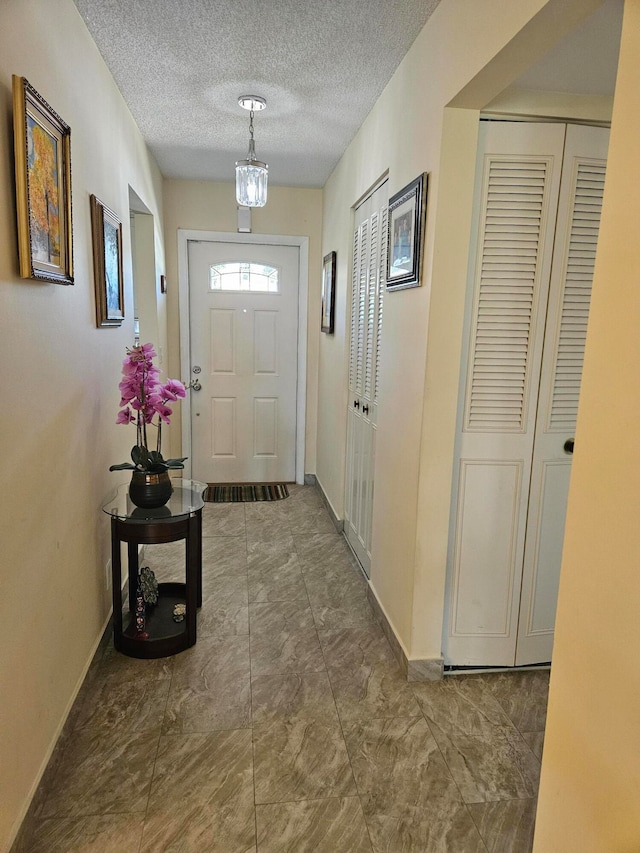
(241,493)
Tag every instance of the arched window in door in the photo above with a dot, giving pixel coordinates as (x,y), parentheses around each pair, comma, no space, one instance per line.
(244,276)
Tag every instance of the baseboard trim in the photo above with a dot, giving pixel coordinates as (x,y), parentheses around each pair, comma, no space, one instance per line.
(338,523)
(414,669)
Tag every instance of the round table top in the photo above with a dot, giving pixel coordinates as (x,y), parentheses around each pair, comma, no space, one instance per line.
(184,501)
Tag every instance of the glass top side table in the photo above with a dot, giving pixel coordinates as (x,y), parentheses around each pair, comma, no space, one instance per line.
(185,499)
(180,518)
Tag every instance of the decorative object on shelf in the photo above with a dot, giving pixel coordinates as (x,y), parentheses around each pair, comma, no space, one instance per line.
(251,174)
(328,292)
(108,279)
(141,615)
(407,215)
(179,612)
(150,491)
(43,187)
(144,402)
(149,585)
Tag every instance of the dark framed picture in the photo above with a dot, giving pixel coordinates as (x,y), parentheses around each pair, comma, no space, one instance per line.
(42,143)
(407,215)
(106,230)
(328,292)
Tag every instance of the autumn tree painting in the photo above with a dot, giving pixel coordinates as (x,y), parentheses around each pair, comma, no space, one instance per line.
(44,194)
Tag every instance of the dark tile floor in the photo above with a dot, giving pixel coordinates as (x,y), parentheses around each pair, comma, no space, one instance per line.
(288,727)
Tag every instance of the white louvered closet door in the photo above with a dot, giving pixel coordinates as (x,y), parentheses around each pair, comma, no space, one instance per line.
(367,294)
(576,241)
(519,203)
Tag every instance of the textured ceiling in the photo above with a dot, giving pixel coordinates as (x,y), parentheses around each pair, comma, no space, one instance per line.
(181,65)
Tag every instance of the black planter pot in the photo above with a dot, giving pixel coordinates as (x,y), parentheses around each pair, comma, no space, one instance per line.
(150,490)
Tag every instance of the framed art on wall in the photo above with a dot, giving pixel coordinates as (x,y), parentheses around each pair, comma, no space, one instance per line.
(328,292)
(106,230)
(42,143)
(407,214)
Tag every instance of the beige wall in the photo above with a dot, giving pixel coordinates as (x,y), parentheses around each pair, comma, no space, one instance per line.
(590,787)
(471,50)
(60,397)
(290,211)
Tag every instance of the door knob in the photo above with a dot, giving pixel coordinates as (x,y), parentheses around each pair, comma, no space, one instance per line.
(568,445)
(356,404)
(365,410)
(195,385)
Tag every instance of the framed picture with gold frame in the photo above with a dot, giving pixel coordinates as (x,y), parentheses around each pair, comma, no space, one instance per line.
(106,230)
(42,143)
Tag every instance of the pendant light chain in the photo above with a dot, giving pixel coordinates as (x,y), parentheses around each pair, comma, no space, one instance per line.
(252,145)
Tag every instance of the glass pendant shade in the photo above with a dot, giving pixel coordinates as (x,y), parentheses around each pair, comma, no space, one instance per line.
(251,183)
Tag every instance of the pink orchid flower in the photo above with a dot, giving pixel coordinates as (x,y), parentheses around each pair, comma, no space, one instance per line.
(144,399)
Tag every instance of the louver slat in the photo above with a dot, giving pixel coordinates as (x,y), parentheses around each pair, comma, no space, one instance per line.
(355,278)
(360,294)
(583,239)
(358,282)
(505,293)
(371,303)
(382,277)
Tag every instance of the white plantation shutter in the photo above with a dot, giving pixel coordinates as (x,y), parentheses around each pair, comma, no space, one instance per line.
(578,277)
(360,306)
(372,289)
(382,278)
(355,354)
(514,206)
(367,293)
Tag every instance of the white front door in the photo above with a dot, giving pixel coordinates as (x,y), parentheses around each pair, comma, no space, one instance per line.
(243,306)
(539,191)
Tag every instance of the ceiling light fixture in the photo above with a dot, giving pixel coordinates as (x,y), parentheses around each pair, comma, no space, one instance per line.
(251,174)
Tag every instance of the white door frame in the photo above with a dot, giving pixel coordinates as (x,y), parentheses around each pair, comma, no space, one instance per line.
(184,236)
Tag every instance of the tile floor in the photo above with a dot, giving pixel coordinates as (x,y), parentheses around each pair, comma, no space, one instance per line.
(288,726)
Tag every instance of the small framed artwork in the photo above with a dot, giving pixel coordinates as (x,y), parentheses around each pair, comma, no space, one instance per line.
(106,230)
(42,143)
(407,214)
(328,292)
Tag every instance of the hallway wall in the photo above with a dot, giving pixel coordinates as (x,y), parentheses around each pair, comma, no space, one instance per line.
(60,399)
(590,785)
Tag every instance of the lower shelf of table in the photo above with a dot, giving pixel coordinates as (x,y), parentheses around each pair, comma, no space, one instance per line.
(166,637)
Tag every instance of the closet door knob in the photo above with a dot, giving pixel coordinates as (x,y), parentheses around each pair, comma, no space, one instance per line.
(568,445)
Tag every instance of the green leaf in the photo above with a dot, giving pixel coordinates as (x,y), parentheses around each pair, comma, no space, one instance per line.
(122,467)
(140,456)
(176,463)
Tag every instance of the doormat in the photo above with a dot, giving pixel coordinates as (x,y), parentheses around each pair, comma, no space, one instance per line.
(242,493)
